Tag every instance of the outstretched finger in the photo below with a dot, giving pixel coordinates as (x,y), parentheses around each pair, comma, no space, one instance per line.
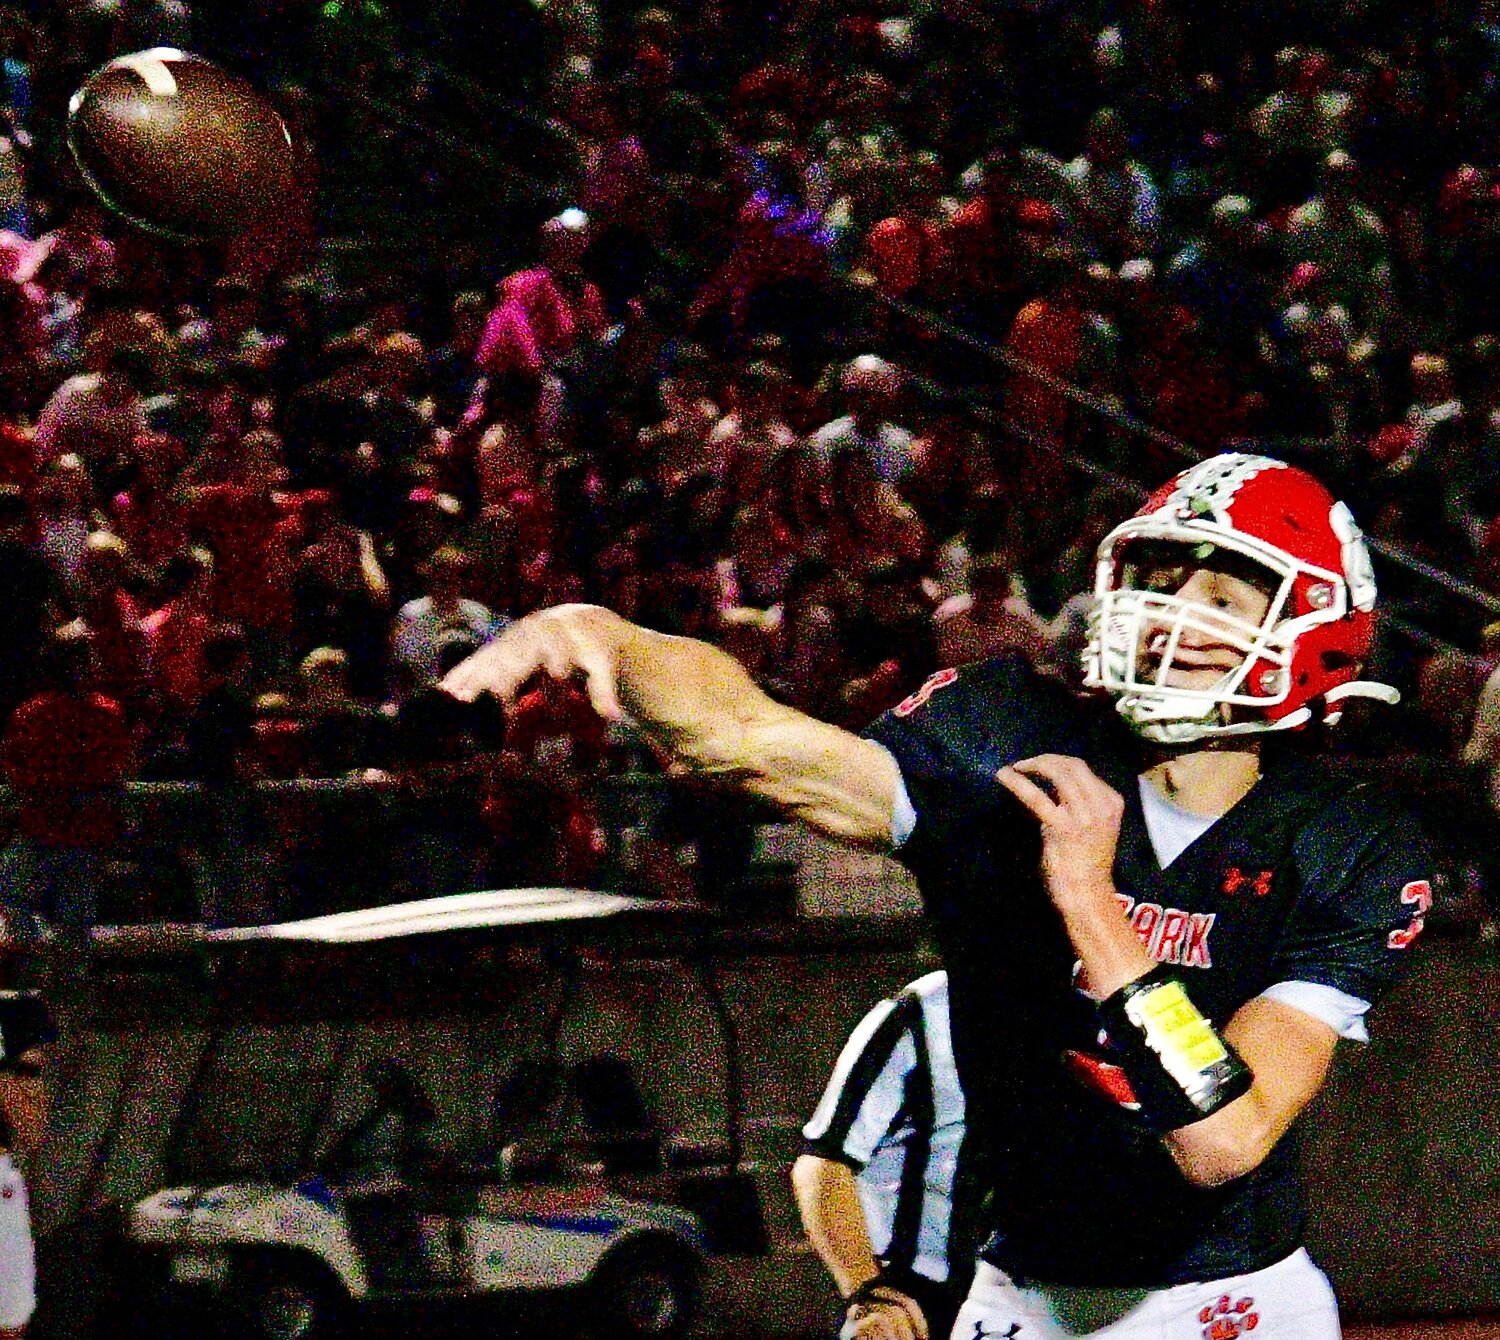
(501,667)
(599,682)
(468,679)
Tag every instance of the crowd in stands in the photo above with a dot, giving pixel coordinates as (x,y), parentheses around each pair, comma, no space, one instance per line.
(758,364)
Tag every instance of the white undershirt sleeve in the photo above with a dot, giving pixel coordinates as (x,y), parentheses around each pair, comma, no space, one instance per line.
(1343,1013)
(903,812)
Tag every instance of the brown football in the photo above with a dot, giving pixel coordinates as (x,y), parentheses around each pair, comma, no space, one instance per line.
(182,147)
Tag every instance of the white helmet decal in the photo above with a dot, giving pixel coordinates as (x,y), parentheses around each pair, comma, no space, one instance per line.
(1209,487)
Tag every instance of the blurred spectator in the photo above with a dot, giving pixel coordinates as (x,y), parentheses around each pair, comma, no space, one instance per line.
(453,367)
(247,523)
(1302,120)
(220,751)
(678,445)
(342,599)
(66,514)
(25,360)
(392,412)
(871,389)
(1113,199)
(1217,276)
(870,524)
(541,810)
(443,614)
(278,751)
(1423,477)
(1467,244)
(1051,334)
(147,512)
(1481,742)
(503,424)
(109,610)
(992,241)
(1172,382)
(774,279)
(809,666)
(444,756)
(67,750)
(97,415)
(1323,358)
(990,619)
(15,212)
(177,632)
(890,639)
(747,439)
(221,727)
(1345,239)
(906,253)
(340,734)
(26,614)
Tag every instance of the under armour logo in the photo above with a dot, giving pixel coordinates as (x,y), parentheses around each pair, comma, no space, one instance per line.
(1235,880)
(981,1334)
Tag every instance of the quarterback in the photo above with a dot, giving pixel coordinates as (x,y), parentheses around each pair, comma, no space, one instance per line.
(1157,918)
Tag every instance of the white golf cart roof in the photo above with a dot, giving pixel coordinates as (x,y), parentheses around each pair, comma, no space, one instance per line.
(515,908)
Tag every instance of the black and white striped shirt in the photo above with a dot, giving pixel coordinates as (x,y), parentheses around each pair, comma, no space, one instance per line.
(893,1111)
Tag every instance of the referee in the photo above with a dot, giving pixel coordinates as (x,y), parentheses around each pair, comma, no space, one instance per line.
(876,1180)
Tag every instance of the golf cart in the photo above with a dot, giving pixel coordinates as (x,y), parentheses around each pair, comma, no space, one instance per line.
(572,1196)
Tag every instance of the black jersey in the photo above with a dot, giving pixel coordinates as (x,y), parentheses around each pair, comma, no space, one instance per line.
(1309,878)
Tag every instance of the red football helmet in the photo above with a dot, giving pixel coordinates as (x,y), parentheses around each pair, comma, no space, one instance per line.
(1268,523)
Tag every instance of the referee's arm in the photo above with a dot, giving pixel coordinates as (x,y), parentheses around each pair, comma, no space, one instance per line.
(828,1201)
(860,1105)
(23,1105)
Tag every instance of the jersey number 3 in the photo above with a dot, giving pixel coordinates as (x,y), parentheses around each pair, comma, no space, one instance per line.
(1418,895)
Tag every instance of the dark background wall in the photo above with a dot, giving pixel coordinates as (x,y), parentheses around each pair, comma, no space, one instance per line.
(185,1067)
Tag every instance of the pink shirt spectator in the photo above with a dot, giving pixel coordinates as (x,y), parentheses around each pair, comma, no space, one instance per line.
(535,323)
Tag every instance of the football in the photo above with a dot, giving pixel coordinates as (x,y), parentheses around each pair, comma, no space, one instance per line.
(183,148)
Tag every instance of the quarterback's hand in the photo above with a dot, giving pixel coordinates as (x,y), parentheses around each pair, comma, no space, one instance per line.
(892,1316)
(567,642)
(1080,823)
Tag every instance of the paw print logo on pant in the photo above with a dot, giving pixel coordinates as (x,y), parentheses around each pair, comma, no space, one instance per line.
(1229,1318)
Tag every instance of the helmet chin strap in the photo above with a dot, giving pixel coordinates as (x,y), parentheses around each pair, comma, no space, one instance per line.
(1188,730)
